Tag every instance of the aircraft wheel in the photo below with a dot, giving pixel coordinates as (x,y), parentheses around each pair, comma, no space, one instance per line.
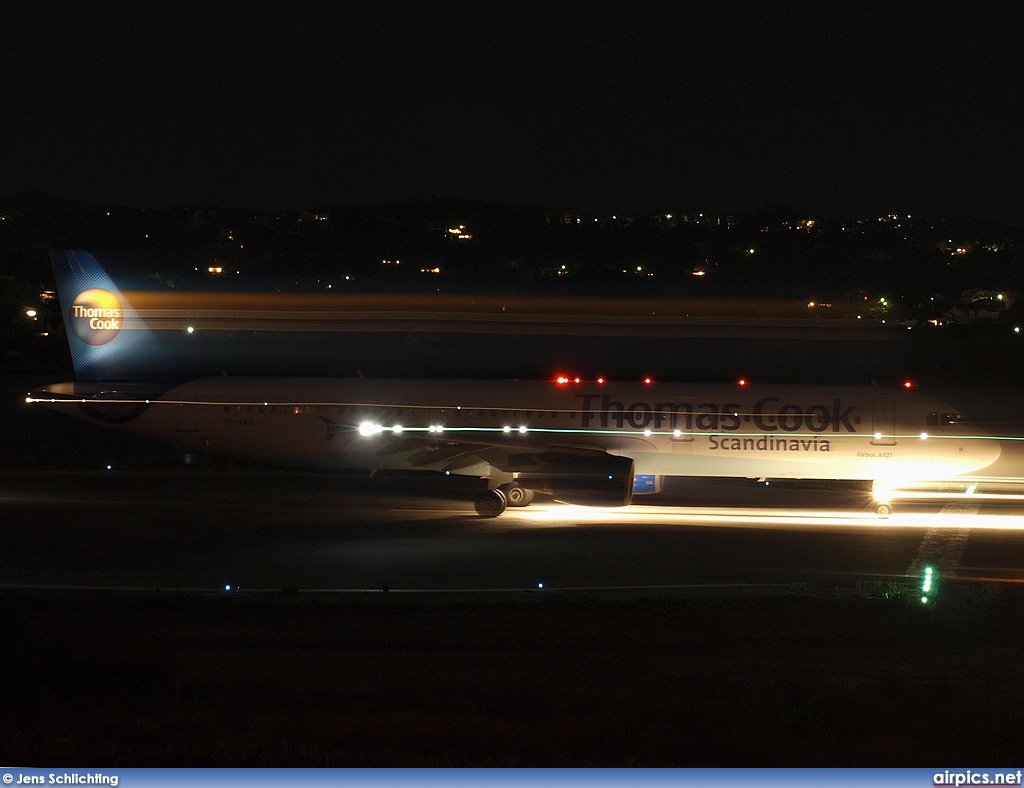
(517,496)
(490,504)
(883,510)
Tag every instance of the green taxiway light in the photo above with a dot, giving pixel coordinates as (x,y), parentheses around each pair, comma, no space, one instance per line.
(926,584)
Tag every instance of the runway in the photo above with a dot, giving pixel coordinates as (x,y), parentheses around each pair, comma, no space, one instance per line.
(266,532)
(678,632)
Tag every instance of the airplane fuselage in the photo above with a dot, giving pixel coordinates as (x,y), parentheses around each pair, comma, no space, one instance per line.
(669,429)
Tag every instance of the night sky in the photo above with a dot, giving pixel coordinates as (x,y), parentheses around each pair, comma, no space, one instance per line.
(831,108)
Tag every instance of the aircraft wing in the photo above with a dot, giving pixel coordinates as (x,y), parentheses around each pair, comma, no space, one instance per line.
(460,453)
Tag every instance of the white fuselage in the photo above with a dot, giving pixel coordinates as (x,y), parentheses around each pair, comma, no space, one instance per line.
(669,429)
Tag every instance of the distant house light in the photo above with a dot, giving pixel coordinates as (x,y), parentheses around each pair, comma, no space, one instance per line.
(459,232)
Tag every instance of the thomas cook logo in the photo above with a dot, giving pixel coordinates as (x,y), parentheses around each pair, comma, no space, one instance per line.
(96,316)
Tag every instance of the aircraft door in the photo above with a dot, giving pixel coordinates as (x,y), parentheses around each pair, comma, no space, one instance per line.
(883,421)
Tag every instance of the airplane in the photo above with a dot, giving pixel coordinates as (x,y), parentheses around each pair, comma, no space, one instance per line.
(585,442)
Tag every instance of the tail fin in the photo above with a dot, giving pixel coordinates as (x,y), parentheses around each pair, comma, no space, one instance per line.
(103,330)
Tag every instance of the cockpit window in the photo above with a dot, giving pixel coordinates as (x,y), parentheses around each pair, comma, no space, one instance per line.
(944,419)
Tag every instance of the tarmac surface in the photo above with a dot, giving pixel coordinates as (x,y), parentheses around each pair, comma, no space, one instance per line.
(204,530)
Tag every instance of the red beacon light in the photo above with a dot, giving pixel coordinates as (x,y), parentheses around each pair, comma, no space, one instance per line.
(600,380)
(908,384)
(742,381)
(648,381)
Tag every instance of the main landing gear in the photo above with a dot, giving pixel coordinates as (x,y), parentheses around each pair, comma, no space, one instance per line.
(516,495)
(493,502)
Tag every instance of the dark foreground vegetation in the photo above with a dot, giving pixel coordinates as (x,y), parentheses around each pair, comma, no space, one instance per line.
(862,679)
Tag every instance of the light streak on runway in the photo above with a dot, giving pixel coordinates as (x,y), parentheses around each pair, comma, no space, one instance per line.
(558,514)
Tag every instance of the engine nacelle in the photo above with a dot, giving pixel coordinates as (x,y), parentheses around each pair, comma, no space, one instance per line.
(585,480)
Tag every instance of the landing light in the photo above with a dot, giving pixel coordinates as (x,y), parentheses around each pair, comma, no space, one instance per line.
(506,429)
(561,380)
(600,380)
(907,384)
(648,381)
(397,429)
(368,428)
(924,436)
(742,381)
(522,429)
(191,329)
(878,436)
